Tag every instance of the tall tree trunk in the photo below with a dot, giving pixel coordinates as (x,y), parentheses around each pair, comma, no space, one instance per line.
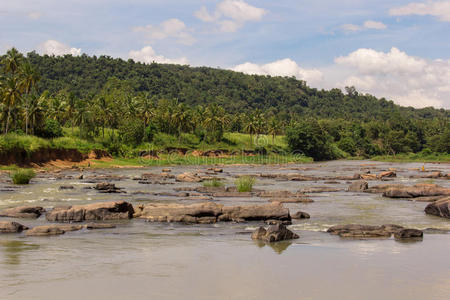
(7,120)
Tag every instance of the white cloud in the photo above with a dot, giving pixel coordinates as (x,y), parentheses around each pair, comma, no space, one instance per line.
(374,25)
(283,67)
(171,28)
(52,47)
(147,55)
(407,80)
(439,9)
(230,15)
(34,15)
(351,27)
(369,24)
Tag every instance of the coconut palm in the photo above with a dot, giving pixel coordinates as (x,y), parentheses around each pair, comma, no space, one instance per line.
(28,80)
(11,92)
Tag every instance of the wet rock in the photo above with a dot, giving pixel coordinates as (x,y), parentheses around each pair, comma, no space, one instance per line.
(274,233)
(436,231)
(427,199)
(105,187)
(320,189)
(32,212)
(210,189)
(66,187)
(11,227)
(418,190)
(91,226)
(96,211)
(291,200)
(359,231)
(430,175)
(55,229)
(166,170)
(389,174)
(392,228)
(188,177)
(233,194)
(280,194)
(275,222)
(379,189)
(300,215)
(210,212)
(440,208)
(408,233)
(358,186)
(80,177)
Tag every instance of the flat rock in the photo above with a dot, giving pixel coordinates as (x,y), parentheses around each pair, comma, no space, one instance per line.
(418,190)
(105,187)
(96,211)
(364,231)
(54,229)
(210,212)
(188,177)
(66,187)
(320,189)
(274,233)
(91,226)
(440,208)
(11,227)
(291,200)
(31,212)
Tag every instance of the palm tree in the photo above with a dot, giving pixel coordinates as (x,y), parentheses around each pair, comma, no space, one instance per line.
(251,126)
(11,96)
(12,61)
(29,79)
(215,120)
(274,128)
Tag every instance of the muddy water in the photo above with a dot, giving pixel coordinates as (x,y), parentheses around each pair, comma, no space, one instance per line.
(140,260)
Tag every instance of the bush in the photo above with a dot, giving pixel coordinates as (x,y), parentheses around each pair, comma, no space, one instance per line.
(213,183)
(51,129)
(245,183)
(22,176)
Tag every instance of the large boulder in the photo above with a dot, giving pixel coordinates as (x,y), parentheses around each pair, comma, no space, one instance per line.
(440,208)
(274,233)
(210,212)
(11,227)
(96,211)
(257,212)
(31,212)
(418,190)
(55,229)
(358,186)
(301,215)
(206,212)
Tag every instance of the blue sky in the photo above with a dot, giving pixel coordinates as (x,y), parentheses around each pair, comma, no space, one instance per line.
(397,49)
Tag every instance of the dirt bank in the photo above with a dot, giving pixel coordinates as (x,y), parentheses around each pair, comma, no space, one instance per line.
(44,156)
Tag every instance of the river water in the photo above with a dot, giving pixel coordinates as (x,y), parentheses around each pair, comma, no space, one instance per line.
(141,260)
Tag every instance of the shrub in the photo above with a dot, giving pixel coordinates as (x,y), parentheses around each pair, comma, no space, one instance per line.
(213,183)
(22,176)
(245,183)
(132,132)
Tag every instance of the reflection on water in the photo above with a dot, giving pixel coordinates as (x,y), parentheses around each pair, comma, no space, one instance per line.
(278,247)
(12,250)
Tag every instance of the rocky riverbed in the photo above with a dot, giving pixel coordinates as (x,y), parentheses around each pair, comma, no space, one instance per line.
(154,228)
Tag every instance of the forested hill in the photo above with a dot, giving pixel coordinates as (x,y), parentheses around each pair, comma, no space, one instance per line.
(85,76)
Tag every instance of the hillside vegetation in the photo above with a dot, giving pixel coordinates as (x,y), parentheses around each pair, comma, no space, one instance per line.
(126,107)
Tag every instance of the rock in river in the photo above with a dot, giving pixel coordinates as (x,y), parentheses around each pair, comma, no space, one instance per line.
(440,208)
(55,229)
(210,212)
(301,215)
(274,233)
(408,234)
(11,227)
(418,190)
(32,212)
(363,231)
(358,186)
(96,211)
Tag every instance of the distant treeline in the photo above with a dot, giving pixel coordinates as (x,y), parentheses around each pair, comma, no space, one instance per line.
(125,104)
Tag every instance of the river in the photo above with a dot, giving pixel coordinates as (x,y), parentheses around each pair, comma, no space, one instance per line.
(141,260)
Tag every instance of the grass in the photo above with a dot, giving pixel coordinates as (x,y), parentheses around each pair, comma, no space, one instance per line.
(245,183)
(213,183)
(22,176)
(414,157)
